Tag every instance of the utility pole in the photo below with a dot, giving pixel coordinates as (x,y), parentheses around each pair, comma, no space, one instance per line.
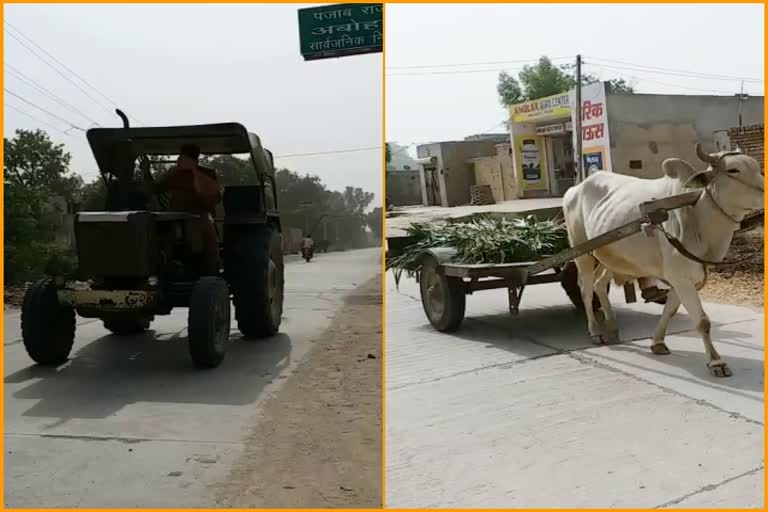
(577,125)
(741,100)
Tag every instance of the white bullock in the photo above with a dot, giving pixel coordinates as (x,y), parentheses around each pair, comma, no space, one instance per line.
(731,187)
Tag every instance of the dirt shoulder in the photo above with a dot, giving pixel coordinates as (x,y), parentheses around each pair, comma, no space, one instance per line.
(318,444)
(13,295)
(740,283)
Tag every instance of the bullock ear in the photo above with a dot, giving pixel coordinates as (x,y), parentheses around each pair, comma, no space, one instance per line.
(700,179)
(679,169)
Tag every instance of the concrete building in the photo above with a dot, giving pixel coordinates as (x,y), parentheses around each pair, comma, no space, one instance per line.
(403,188)
(625,133)
(646,129)
(496,171)
(498,137)
(447,170)
(402,177)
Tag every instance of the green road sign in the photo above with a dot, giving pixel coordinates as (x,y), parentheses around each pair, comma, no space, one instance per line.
(340,30)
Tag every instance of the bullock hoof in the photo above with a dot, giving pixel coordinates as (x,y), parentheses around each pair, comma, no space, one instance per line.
(597,339)
(611,338)
(719,369)
(660,349)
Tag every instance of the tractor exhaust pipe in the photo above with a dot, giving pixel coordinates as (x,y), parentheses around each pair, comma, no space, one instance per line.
(126,123)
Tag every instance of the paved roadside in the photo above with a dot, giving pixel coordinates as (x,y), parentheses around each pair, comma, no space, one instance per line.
(525,412)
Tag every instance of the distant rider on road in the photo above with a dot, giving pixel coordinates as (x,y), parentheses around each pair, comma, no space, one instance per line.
(309,244)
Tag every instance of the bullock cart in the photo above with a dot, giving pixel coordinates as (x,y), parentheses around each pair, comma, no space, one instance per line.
(444,283)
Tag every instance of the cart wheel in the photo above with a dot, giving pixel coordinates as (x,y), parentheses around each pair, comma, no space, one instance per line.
(570,283)
(442,297)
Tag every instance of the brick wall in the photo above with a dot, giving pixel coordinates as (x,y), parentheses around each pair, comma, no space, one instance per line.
(751,141)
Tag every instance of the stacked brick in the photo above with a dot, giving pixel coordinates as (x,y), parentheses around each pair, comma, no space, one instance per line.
(751,141)
(481,195)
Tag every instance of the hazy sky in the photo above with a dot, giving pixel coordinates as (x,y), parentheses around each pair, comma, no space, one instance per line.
(448,101)
(193,64)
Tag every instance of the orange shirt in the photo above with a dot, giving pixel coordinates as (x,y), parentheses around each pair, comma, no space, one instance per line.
(194,191)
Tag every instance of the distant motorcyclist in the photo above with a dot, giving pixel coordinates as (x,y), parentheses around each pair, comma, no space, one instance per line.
(308,243)
(308,246)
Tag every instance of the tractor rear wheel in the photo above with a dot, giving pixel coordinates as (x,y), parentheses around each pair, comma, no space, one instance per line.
(256,273)
(47,327)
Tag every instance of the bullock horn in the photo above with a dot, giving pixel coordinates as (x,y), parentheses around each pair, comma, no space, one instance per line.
(704,157)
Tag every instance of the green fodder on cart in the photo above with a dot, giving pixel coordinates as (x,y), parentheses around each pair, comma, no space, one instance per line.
(483,240)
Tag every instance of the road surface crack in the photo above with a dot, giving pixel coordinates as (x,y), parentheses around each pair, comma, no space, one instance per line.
(710,487)
(506,364)
(597,364)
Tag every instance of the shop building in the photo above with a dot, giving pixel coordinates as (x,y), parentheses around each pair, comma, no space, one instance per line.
(625,133)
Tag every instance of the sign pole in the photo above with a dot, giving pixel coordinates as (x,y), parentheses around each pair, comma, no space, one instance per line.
(577,125)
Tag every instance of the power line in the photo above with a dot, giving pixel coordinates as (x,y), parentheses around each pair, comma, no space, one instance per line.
(458,72)
(486,63)
(629,66)
(78,76)
(698,89)
(24,78)
(678,72)
(44,110)
(727,93)
(330,152)
(68,79)
(20,111)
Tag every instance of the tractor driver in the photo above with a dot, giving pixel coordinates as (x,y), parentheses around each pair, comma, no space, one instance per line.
(193,189)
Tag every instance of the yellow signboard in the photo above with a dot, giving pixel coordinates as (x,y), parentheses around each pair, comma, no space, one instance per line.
(542,109)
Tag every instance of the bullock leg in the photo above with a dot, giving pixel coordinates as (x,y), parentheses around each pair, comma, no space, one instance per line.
(688,295)
(611,330)
(670,308)
(586,267)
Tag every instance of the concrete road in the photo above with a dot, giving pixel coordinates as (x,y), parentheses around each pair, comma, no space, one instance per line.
(128,422)
(525,413)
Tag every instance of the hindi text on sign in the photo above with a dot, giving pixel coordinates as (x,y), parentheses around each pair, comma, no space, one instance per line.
(332,15)
(592,132)
(591,111)
(332,31)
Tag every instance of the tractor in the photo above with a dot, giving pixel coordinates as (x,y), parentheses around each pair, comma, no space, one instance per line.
(137,259)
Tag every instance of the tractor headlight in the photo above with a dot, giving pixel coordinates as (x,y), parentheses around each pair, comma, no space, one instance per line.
(153,281)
